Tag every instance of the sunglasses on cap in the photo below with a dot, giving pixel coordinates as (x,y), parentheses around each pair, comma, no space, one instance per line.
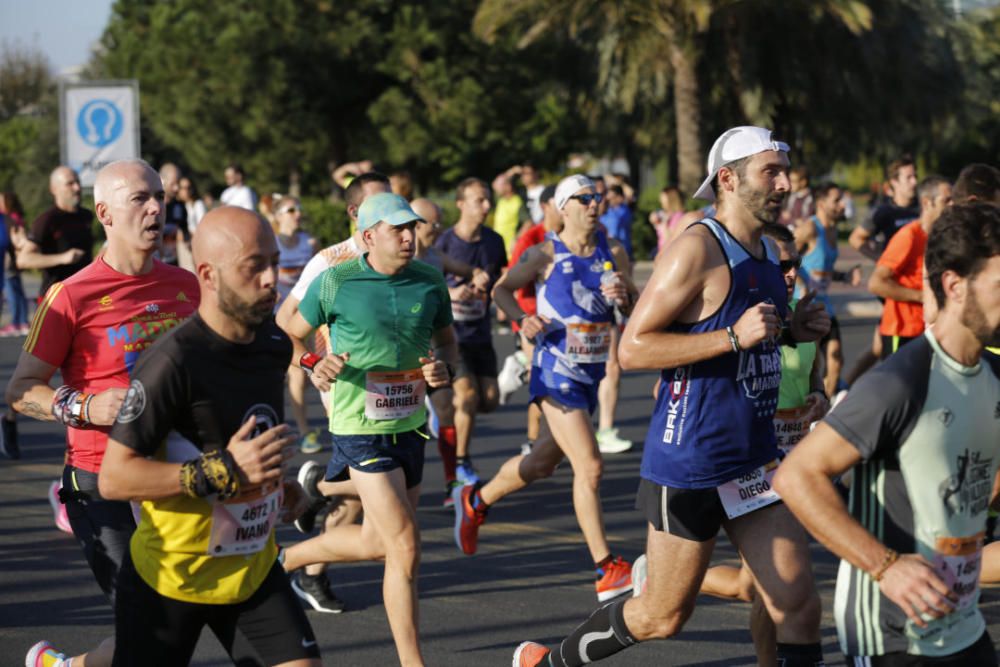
(789,264)
(587,198)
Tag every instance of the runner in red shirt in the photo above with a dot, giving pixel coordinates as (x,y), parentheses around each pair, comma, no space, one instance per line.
(92,327)
(517,366)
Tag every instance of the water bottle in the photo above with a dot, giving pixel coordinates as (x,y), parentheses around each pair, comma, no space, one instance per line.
(609,278)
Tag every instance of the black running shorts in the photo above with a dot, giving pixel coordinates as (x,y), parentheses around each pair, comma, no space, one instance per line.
(694,514)
(102,527)
(269,628)
(479,360)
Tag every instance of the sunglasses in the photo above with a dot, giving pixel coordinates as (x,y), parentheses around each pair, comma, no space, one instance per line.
(586,199)
(789,264)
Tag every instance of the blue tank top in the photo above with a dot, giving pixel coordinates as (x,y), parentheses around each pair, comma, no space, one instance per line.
(713,419)
(576,342)
(817,265)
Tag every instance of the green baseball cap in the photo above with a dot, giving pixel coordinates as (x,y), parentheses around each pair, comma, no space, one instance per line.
(385,207)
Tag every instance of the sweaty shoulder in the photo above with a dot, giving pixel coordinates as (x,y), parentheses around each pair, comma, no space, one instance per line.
(694,250)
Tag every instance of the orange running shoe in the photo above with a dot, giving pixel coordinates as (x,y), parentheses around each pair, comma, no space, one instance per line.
(613,580)
(530,654)
(467,519)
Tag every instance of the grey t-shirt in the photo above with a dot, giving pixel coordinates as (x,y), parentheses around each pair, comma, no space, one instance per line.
(928,431)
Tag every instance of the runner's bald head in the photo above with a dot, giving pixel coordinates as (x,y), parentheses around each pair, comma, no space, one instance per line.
(426,209)
(115,175)
(225,233)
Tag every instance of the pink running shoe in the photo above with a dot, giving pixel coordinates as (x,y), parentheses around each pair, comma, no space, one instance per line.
(58,509)
(43,654)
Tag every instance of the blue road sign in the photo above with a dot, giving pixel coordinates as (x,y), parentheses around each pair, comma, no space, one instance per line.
(99,123)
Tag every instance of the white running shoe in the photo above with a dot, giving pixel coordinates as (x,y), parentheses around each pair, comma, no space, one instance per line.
(609,442)
(511,377)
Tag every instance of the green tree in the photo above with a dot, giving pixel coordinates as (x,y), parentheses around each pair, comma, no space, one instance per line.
(641,41)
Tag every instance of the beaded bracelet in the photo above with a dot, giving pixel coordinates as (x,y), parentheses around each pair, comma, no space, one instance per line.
(890,558)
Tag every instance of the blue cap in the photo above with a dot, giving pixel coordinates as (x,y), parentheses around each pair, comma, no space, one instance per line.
(385,207)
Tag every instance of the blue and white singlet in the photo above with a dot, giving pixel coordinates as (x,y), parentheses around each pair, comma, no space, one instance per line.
(713,418)
(575,344)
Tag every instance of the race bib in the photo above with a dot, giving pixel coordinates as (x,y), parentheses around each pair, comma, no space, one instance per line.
(790,426)
(394,394)
(588,342)
(468,311)
(749,492)
(243,525)
(957,560)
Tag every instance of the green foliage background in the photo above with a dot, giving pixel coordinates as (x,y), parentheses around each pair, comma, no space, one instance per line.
(291,88)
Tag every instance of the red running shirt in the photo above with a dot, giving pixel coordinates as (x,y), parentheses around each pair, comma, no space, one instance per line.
(525,296)
(94,324)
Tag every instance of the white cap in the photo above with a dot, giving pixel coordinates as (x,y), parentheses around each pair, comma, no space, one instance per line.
(568,187)
(736,144)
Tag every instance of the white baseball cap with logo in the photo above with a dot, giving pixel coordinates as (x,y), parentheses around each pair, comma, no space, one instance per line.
(736,144)
(568,187)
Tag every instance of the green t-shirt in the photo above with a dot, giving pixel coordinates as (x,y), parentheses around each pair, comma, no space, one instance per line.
(796,368)
(386,324)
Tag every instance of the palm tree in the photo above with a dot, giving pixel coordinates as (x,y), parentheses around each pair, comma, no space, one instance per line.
(642,39)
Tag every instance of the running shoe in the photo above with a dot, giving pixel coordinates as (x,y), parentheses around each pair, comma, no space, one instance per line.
(310,444)
(24,330)
(59,509)
(316,592)
(467,519)
(8,438)
(309,477)
(609,442)
(530,654)
(466,474)
(510,378)
(10,331)
(639,572)
(43,654)
(613,579)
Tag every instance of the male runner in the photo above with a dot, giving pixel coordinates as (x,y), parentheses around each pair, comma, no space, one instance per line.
(710,317)
(922,435)
(816,237)
(898,276)
(60,241)
(871,236)
(470,241)
(392,341)
(801,401)
(199,440)
(92,328)
(572,333)
(311,584)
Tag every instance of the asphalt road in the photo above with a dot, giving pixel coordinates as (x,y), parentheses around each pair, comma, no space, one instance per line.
(530,580)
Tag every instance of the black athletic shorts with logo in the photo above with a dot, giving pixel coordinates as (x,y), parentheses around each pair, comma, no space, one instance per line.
(693,514)
(269,628)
